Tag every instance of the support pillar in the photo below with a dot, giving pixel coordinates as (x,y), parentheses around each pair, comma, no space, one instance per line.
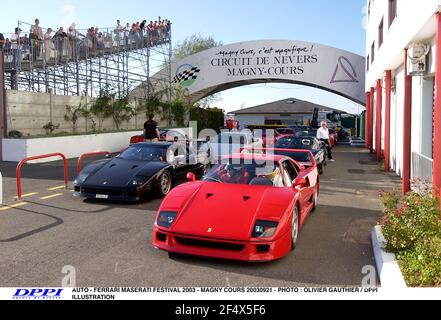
(407,127)
(378,123)
(371,122)
(366,126)
(387,121)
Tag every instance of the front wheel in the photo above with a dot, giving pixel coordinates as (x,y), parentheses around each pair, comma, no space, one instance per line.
(295,228)
(165,184)
(315,200)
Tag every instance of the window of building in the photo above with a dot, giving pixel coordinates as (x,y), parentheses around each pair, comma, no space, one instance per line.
(392,11)
(380,33)
(367,63)
(373,53)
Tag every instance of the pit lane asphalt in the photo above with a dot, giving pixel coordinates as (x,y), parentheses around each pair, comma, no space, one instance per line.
(109,244)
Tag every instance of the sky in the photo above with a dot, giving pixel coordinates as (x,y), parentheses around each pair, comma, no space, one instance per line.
(337,23)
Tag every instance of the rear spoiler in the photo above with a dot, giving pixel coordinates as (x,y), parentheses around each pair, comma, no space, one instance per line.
(273,150)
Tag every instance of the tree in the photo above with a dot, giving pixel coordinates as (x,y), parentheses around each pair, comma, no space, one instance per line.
(122,111)
(191,45)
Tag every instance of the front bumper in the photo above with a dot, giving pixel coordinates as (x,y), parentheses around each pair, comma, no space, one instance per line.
(108,194)
(253,251)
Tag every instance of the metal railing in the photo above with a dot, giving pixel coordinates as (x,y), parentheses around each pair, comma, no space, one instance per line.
(60,48)
(422,166)
(24,161)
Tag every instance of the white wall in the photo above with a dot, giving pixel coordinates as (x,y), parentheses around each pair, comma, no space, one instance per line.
(399,120)
(414,22)
(15,150)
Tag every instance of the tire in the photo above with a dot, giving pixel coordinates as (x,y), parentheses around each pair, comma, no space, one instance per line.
(315,201)
(295,228)
(165,183)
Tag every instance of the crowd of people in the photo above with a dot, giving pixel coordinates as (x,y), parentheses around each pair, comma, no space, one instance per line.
(62,45)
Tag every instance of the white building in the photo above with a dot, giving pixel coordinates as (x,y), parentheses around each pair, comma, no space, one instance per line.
(401,34)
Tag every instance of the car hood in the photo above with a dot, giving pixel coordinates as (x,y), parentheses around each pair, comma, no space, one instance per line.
(225,211)
(118,173)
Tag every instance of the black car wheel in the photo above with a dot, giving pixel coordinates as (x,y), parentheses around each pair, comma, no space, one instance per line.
(295,227)
(165,183)
(315,200)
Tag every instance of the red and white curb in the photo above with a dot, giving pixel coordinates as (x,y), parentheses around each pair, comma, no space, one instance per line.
(387,266)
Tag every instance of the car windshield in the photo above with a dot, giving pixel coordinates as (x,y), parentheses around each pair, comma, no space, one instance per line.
(297,156)
(307,133)
(144,153)
(285,131)
(295,143)
(250,173)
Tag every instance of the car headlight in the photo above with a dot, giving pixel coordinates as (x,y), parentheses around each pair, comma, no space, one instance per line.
(81,178)
(166,219)
(264,229)
(139,181)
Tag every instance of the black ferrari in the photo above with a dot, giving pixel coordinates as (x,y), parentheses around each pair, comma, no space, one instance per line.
(312,144)
(140,169)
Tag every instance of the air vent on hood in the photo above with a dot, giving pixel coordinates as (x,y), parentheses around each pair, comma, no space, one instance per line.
(246,198)
(209,195)
(112,165)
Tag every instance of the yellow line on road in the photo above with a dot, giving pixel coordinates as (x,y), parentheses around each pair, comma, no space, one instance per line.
(52,196)
(57,188)
(7,207)
(28,195)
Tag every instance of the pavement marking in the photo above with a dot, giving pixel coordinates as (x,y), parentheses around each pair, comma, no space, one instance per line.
(57,188)
(51,196)
(27,195)
(7,207)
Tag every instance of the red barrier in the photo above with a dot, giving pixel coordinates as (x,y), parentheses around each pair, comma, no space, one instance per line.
(88,155)
(22,162)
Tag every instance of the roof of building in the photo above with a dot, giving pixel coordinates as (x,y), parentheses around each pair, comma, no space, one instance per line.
(290,106)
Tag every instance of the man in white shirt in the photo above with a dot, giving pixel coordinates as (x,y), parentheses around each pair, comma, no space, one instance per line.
(16,48)
(323,135)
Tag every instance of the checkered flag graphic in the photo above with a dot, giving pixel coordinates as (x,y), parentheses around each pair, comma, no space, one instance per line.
(191,74)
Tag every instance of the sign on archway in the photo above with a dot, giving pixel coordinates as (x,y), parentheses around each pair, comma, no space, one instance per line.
(245,63)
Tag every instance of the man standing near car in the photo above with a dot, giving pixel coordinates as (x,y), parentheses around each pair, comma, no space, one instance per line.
(323,135)
(151,131)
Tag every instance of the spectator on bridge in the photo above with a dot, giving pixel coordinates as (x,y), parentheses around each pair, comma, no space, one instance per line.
(2,41)
(73,38)
(151,131)
(127,33)
(36,38)
(16,48)
(118,31)
(150,29)
(60,38)
(323,135)
(48,45)
(168,29)
(142,27)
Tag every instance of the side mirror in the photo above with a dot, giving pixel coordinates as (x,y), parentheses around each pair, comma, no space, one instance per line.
(300,183)
(191,177)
